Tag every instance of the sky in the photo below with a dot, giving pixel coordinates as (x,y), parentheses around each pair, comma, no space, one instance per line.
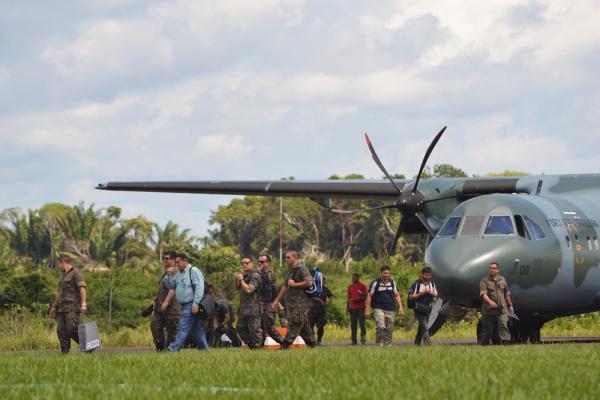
(104,90)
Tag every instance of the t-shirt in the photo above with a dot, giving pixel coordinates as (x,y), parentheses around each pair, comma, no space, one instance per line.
(421,286)
(383,298)
(356,290)
(296,297)
(223,307)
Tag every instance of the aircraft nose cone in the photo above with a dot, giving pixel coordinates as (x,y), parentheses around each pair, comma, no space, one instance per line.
(457,270)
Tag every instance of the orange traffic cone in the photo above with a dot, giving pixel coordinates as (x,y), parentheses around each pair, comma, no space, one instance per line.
(298,343)
(270,344)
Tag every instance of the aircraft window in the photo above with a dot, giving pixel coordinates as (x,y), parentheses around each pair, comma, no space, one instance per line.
(521,229)
(472,225)
(499,225)
(596,244)
(451,227)
(568,241)
(534,229)
(589,240)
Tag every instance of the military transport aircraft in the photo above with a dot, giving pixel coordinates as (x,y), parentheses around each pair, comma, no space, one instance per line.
(543,231)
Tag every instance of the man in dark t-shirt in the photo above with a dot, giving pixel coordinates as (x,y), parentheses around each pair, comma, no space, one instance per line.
(382,296)
(423,293)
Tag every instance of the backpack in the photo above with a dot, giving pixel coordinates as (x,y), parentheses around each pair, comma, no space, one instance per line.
(411,303)
(316,288)
(267,291)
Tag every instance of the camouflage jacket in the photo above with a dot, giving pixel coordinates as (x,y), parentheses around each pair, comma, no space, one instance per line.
(296,297)
(69,298)
(174,308)
(250,302)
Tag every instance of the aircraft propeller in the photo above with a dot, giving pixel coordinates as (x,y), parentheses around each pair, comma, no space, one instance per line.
(409,203)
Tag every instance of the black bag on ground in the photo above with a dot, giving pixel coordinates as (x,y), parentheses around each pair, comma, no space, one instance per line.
(148,310)
(206,308)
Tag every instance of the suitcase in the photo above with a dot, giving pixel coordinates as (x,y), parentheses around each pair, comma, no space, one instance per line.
(89,338)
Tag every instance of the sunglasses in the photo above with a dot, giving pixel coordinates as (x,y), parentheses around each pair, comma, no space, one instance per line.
(262,261)
(245,262)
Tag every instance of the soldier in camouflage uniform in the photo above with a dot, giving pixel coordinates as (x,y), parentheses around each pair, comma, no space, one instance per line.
(249,319)
(69,302)
(166,310)
(296,280)
(496,304)
(268,313)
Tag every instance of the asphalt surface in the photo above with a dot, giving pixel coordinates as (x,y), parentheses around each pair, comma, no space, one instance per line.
(448,342)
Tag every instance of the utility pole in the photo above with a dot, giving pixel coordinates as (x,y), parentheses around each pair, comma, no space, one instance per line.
(281,232)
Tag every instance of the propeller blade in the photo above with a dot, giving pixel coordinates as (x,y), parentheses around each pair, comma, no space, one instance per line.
(427,154)
(342,211)
(379,164)
(423,220)
(393,245)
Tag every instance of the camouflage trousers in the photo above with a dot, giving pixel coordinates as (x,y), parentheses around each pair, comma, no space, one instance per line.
(298,326)
(494,329)
(162,323)
(268,322)
(66,329)
(250,331)
(384,326)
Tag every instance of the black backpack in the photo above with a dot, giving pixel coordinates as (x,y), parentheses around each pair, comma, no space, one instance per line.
(267,291)
(411,303)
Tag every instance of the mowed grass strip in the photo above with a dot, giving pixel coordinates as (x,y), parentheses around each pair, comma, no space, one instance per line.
(542,371)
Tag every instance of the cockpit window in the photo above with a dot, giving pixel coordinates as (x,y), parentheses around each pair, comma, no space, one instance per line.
(499,225)
(472,225)
(450,228)
(534,229)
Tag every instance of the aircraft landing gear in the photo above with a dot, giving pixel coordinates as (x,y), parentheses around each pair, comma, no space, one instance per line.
(527,329)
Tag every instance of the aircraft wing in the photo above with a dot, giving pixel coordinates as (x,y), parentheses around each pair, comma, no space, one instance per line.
(358,189)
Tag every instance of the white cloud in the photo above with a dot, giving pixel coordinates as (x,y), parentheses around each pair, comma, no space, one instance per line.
(132,82)
(4,74)
(228,146)
(107,48)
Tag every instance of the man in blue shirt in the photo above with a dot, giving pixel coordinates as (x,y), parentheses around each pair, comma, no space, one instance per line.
(188,284)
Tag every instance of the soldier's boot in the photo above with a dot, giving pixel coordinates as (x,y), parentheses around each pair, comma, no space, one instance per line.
(285,345)
(278,339)
(160,346)
(311,343)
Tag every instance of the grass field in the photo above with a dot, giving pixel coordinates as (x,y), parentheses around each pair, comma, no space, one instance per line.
(344,372)
(18,332)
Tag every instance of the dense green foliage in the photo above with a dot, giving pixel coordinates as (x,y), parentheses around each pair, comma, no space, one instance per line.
(455,372)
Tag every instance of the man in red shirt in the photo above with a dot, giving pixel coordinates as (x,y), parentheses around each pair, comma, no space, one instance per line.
(357,295)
